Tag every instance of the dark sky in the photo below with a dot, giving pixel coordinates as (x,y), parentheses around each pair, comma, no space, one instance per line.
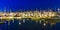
(18,4)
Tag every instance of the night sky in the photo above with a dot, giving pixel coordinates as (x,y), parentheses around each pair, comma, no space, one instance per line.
(24,4)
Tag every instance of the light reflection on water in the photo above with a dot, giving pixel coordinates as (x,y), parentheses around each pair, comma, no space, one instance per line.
(28,25)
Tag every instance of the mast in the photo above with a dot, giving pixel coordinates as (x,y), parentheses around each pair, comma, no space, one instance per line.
(5,10)
(10,10)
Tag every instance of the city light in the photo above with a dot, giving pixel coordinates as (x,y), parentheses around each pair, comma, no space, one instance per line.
(35,15)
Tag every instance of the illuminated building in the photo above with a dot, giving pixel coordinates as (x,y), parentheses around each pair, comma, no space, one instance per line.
(31,15)
(35,15)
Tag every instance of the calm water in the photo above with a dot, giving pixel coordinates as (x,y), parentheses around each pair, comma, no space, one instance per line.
(28,25)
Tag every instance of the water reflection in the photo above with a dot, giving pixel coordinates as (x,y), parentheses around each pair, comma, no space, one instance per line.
(28,25)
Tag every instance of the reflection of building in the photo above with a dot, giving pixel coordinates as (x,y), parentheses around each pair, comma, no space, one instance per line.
(28,24)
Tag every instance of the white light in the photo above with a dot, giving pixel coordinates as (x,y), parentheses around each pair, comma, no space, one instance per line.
(58,9)
(19,23)
(23,20)
(11,17)
(40,21)
(44,24)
